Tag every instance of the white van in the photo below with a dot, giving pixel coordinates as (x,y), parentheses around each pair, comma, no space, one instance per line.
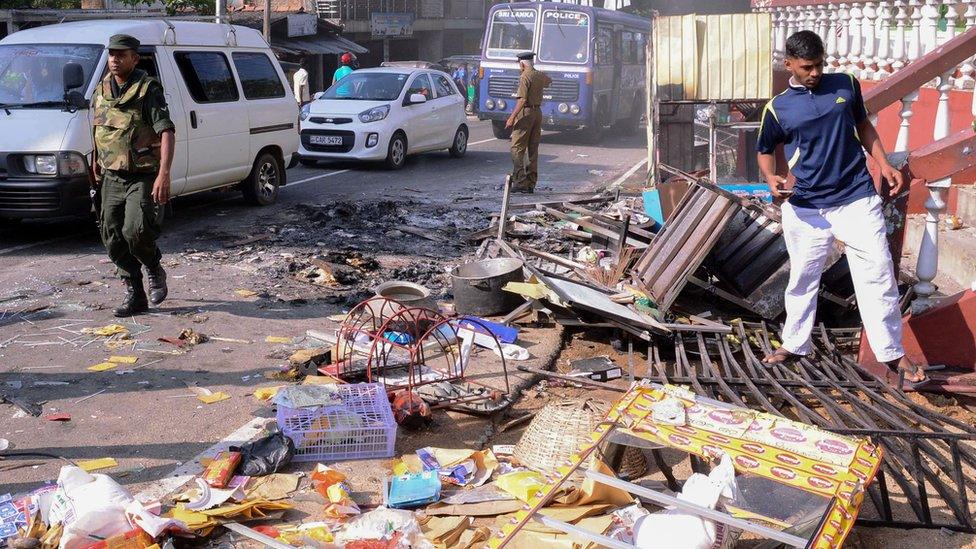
(235,115)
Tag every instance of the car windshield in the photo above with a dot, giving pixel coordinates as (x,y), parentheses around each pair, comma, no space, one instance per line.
(565,37)
(30,74)
(512,31)
(368,86)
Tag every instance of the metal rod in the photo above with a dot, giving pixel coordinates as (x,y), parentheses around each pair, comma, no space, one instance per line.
(503,215)
(576,531)
(697,510)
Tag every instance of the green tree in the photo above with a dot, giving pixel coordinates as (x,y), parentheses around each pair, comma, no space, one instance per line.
(202,7)
(42,4)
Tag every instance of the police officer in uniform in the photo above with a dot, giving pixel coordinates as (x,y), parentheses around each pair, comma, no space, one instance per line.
(134,142)
(526,125)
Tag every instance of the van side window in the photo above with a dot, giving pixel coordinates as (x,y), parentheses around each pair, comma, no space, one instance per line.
(207,76)
(147,62)
(258,76)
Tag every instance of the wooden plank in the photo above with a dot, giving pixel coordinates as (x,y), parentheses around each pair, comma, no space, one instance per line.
(608,220)
(711,227)
(603,231)
(550,257)
(677,217)
(678,240)
(944,157)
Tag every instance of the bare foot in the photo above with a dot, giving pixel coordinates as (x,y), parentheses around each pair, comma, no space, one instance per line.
(914,376)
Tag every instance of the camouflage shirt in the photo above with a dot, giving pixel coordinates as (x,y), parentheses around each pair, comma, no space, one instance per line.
(154,107)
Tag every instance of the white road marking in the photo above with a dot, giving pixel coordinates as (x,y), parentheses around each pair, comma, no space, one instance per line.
(315,178)
(482,141)
(620,180)
(12,249)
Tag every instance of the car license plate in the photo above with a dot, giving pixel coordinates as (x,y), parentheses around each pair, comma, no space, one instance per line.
(325,140)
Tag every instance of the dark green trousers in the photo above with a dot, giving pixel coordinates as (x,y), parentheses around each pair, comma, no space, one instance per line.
(129,222)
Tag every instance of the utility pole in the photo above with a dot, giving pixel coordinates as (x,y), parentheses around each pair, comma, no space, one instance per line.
(220,9)
(267,21)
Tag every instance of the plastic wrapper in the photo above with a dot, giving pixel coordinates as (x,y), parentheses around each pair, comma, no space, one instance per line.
(266,455)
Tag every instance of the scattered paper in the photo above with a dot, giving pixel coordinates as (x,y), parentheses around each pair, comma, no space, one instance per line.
(106,331)
(102,367)
(123,359)
(212,398)
(245,293)
(278,339)
(58,417)
(90,465)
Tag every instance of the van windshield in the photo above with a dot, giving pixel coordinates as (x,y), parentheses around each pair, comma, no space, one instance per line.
(368,86)
(30,74)
(512,32)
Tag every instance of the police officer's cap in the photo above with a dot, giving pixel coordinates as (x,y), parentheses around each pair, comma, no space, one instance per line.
(525,56)
(123,42)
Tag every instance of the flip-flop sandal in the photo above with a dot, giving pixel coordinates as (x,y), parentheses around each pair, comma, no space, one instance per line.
(787,357)
(913,385)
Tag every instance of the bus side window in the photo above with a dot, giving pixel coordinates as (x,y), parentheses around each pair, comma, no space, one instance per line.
(604,46)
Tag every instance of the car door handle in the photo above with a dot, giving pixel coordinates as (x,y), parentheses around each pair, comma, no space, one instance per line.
(193,119)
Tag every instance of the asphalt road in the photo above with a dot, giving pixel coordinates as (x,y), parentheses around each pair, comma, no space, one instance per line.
(148,419)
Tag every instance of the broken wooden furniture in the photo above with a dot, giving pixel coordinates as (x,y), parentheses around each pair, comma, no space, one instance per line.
(828,473)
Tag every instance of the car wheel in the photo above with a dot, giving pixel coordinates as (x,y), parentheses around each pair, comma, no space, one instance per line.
(309,162)
(499,131)
(263,183)
(460,144)
(396,154)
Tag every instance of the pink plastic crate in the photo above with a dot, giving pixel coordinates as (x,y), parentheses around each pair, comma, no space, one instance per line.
(361,427)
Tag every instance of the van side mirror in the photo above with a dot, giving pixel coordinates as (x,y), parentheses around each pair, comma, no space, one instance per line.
(73,76)
(316,95)
(416,99)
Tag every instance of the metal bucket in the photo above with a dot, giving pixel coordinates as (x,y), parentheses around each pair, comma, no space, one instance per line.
(478,286)
(405,293)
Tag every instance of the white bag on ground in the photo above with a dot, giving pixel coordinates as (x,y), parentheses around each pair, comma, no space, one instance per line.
(676,529)
(91,507)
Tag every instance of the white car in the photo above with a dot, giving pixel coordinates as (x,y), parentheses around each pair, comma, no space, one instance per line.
(384,114)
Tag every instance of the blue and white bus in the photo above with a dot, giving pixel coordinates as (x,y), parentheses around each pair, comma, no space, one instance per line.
(595,57)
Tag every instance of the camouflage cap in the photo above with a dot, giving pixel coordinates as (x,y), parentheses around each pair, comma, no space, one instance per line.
(123,42)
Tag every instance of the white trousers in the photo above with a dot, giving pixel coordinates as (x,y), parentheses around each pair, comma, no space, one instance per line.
(809,235)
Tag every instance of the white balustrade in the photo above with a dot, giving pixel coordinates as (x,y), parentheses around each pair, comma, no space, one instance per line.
(967,78)
(791,13)
(856,14)
(869,61)
(843,38)
(779,35)
(915,31)
(883,59)
(831,46)
(899,54)
(929,25)
(823,21)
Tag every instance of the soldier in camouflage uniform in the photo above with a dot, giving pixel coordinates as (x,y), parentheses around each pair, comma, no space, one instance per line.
(134,142)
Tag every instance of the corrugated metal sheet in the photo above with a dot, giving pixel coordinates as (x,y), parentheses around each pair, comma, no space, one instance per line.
(713,57)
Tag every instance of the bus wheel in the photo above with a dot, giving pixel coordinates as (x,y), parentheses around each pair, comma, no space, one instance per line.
(499,131)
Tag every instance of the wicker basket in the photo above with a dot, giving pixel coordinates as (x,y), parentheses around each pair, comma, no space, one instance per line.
(559,429)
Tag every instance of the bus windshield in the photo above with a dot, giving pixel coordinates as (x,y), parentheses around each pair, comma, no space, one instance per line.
(512,31)
(30,74)
(565,37)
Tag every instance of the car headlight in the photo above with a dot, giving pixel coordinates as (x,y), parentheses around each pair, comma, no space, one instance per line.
(501,104)
(563,108)
(72,163)
(303,114)
(41,164)
(375,114)
(490,104)
(574,108)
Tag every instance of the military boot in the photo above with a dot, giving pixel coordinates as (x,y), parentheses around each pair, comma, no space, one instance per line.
(157,284)
(135,301)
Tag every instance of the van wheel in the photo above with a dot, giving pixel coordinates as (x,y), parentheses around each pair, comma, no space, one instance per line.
(460,144)
(396,154)
(262,185)
(499,131)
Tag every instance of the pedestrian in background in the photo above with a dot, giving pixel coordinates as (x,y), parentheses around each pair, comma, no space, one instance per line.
(302,92)
(134,143)
(824,128)
(526,125)
(347,60)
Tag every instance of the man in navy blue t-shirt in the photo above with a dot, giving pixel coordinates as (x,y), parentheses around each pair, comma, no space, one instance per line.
(821,122)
